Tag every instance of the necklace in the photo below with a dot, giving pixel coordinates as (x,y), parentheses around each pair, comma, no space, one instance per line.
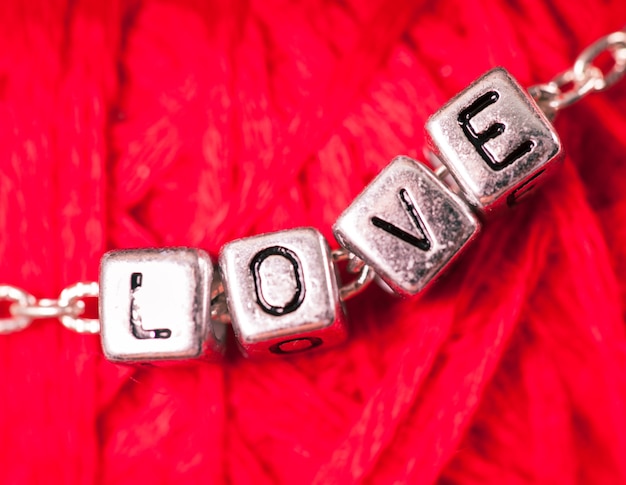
(168,124)
(493,144)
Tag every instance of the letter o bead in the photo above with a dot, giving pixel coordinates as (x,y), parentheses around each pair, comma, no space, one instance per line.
(494,140)
(282,294)
(154,305)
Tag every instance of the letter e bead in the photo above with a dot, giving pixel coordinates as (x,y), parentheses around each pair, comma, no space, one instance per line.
(281,291)
(494,140)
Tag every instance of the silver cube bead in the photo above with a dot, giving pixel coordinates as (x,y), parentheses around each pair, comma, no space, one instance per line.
(494,140)
(282,294)
(154,305)
(407,225)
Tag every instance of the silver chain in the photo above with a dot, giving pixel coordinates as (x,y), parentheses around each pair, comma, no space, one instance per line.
(25,308)
(584,77)
(565,89)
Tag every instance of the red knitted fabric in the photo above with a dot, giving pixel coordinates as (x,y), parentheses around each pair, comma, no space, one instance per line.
(163,123)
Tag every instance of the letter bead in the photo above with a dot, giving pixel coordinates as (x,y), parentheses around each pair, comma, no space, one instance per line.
(494,140)
(282,294)
(407,225)
(154,305)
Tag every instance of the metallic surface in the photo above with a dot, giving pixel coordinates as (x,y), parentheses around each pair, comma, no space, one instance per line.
(44,308)
(71,297)
(365,274)
(448,222)
(299,306)
(564,90)
(519,120)
(19,299)
(174,297)
(584,77)
(613,44)
(68,308)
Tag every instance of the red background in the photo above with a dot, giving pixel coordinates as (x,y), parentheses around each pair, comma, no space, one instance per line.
(156,123)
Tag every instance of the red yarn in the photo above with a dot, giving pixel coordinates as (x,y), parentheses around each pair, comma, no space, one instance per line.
(134,124)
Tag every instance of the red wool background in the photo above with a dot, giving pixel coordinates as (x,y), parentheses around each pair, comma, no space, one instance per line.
(156,123)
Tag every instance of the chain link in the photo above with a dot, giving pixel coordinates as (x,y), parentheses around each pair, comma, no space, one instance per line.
(365,274)
(18,299)
(219,308)
(583,77)
(25,308)
(72,297)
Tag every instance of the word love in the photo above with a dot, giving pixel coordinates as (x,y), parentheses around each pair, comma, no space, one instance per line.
(281,290)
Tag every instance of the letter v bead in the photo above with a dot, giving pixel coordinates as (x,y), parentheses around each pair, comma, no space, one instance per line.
(442,225)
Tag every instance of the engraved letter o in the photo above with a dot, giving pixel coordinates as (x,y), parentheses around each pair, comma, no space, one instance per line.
(298,297)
